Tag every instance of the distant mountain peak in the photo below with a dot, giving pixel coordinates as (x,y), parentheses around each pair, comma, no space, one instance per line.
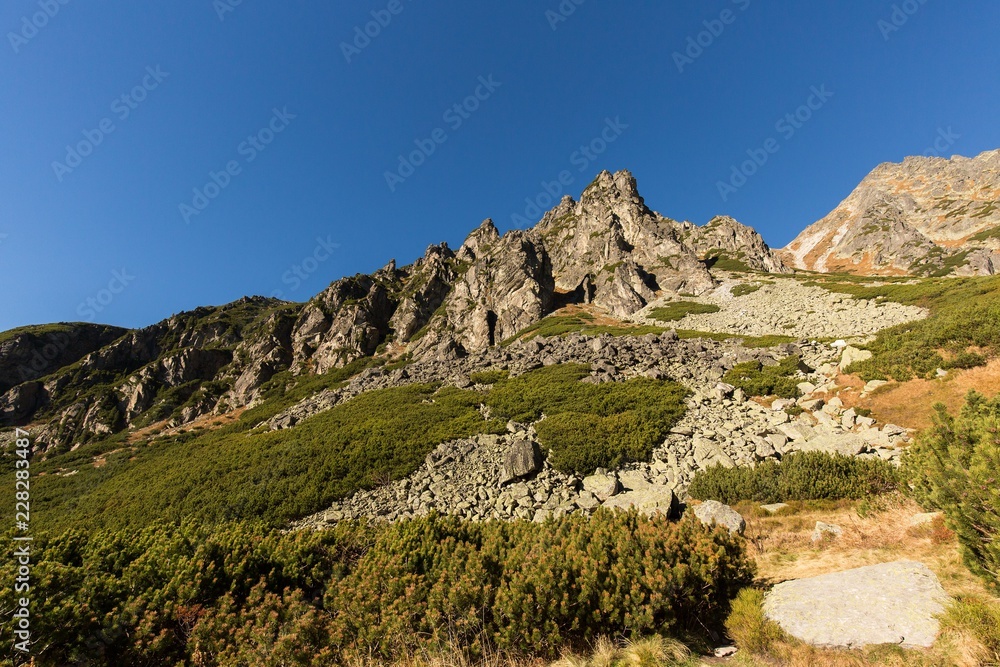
(921,216)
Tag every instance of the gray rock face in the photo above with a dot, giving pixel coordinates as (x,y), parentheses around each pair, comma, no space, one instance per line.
(506,286)
(428,283)
(523,459)
(87,399)
(736,240)
(891,603)
(911,217)
(712,512)
(34,352)
(346,321)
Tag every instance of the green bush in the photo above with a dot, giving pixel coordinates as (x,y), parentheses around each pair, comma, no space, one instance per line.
(678,310)
(979,618)
(798,476)
(589,426)
(744,288)
(581,323)
(757,379)
(953,467)
(245,594)
(488,377)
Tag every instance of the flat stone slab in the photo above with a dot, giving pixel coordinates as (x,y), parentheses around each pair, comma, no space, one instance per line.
(891,603)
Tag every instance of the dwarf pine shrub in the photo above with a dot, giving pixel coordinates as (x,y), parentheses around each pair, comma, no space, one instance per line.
(590,426)
(757,379)
(248,594)
(954,467)
(798,476)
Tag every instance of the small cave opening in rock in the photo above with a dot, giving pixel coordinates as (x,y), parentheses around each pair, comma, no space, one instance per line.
(491,324)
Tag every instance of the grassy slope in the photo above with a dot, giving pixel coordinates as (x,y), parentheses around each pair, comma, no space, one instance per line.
(234,473)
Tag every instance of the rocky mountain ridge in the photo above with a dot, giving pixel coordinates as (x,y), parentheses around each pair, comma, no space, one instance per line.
(608,250)
(925,216)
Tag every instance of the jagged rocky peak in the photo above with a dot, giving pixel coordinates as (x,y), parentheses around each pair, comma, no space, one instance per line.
(616,252)
(479,242)
(425,284)
(346,321)
(922,216)
(724,237)
(607,249)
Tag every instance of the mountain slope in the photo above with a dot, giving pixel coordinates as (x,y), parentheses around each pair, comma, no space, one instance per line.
(608,250)
(923,216)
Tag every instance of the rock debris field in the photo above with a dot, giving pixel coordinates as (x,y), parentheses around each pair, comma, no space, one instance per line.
(473,478)
(784,306)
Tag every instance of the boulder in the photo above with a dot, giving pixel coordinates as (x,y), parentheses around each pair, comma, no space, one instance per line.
(708,453)
(823,530)
(872,385)
(852,355)
(523,459)
(633,480)
(713,512)
(651,500)
(774,508)
(892,603)
(602,485)
(848,444)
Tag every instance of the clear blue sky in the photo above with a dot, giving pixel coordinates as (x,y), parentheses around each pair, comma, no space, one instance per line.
(219,81)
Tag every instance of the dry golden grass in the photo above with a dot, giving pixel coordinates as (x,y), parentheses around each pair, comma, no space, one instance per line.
(650,652)
(911,404)
(207,422)
(783,549)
